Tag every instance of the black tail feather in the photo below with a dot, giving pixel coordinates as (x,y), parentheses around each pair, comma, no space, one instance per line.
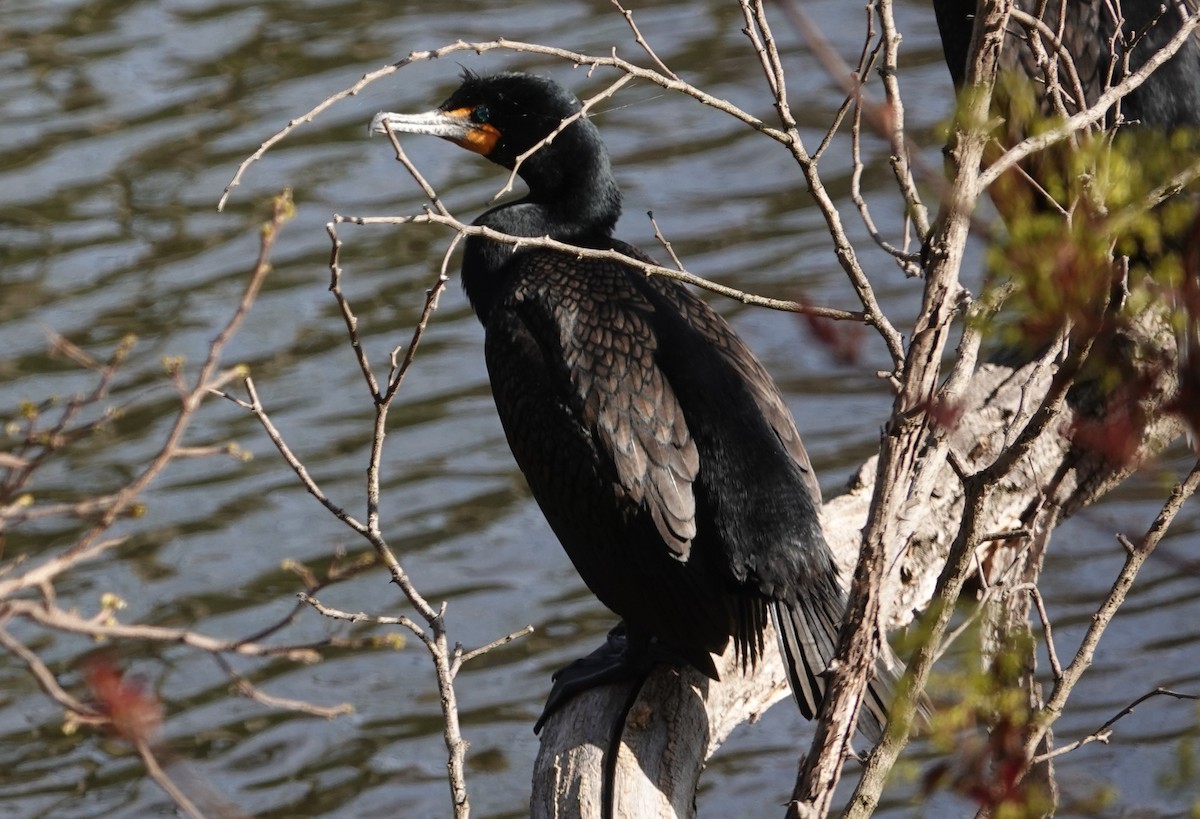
(808,636)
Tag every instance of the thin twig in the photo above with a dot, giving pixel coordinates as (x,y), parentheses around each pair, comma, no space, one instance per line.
(362,616)
(432,295)
(44,676)
(467,656)
(1104,732)
(334,574)
(592,253)
(63,620)
(1055,665)
(902,158)
(1065,683)
(39,444)
(662,240)
(418,177)
(640,40)
(254,405)
(160,776)
(351,320)
(251,691)
(866,58)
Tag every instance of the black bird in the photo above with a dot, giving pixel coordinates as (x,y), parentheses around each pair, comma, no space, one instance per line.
(655,443)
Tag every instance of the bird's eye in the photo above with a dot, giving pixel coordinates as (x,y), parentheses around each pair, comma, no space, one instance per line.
(480,114)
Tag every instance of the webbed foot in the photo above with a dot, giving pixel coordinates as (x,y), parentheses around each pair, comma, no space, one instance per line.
(611,663)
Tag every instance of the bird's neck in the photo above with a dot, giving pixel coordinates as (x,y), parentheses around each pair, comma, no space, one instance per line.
(577,204)
(572,195)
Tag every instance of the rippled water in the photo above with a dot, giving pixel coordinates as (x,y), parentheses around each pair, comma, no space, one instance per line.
(121,122)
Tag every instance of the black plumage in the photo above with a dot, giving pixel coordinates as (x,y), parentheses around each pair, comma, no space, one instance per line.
(655,443)
(1090,46)
(1105,41)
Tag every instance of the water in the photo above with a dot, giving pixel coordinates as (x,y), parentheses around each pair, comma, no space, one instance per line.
(120,123)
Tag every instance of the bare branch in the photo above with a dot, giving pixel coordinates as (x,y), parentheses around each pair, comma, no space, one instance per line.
(1103,616)
(45,677)
(663,80)
(431,302)
(1104,732)
(251,691)
(1055,665)
(351,320)
(254,405)
(591,253)
(362,616)
(640,40)
(63,620)
(467,656)
(160,776)
(417,176)
(662,240)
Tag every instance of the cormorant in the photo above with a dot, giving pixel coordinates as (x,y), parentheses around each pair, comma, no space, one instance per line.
(657,446)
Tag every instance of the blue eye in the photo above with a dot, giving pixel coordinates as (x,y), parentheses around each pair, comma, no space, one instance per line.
(480,114)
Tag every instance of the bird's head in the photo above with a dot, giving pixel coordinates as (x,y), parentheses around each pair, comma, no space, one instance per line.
(500,116)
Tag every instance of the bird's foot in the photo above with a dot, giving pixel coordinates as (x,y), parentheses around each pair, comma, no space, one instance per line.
(615,661)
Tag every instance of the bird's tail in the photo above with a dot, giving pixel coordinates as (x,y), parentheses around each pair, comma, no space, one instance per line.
(808,634)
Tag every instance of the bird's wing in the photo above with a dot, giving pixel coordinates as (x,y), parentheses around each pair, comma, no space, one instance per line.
(716,331)
(600,328)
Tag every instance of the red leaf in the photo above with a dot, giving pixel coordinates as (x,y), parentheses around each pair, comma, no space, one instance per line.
(134,712)
(842,339)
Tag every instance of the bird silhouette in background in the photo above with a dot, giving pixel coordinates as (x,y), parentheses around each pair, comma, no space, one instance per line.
(1090,46)
(657,446)
(1105,41)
